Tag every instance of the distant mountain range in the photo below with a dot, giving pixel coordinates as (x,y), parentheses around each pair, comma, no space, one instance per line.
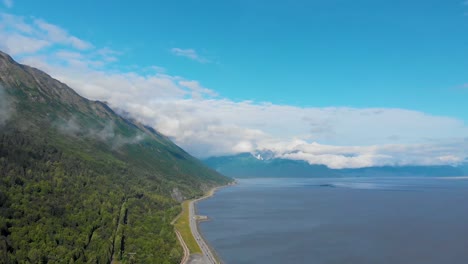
(248,165)
(80,183)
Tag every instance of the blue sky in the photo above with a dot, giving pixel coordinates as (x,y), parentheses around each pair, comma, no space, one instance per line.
(408,54)
(358,57)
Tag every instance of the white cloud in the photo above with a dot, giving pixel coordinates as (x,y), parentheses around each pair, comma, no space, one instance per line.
(218,127)
(19,35)
(58,35)
(157,69)
(436,153)
(197,90)
(189,53)
(8,3)
(69,55)
(16,22)
(15,44)
(205,124)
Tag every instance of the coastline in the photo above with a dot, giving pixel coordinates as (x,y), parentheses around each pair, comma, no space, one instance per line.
(208,254)
(215,259)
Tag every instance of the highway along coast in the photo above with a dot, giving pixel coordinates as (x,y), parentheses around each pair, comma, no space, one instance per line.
(196,250)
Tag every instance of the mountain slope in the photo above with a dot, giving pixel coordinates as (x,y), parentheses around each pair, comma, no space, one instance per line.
(248,166)
(79,183)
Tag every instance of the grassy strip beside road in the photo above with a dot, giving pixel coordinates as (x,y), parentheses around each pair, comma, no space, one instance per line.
(183,226)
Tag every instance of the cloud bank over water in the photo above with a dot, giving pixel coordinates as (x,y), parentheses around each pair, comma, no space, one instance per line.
(206,124)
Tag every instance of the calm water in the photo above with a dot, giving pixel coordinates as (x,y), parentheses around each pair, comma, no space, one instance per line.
(399,220)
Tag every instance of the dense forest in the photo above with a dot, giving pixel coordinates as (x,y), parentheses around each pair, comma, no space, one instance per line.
(81,184)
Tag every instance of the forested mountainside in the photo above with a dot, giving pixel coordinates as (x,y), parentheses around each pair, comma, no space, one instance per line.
(81,184)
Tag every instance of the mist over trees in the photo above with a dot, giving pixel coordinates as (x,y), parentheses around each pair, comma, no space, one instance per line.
(81,184)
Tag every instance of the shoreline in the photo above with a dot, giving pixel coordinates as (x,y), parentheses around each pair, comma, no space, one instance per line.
(208,254)
(214,256)
(206,248)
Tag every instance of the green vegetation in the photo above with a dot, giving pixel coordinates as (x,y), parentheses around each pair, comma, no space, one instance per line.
(183,225)
(80,184)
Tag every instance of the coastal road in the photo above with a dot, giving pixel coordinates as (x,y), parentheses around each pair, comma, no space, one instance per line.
(207,254)
(184,246)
